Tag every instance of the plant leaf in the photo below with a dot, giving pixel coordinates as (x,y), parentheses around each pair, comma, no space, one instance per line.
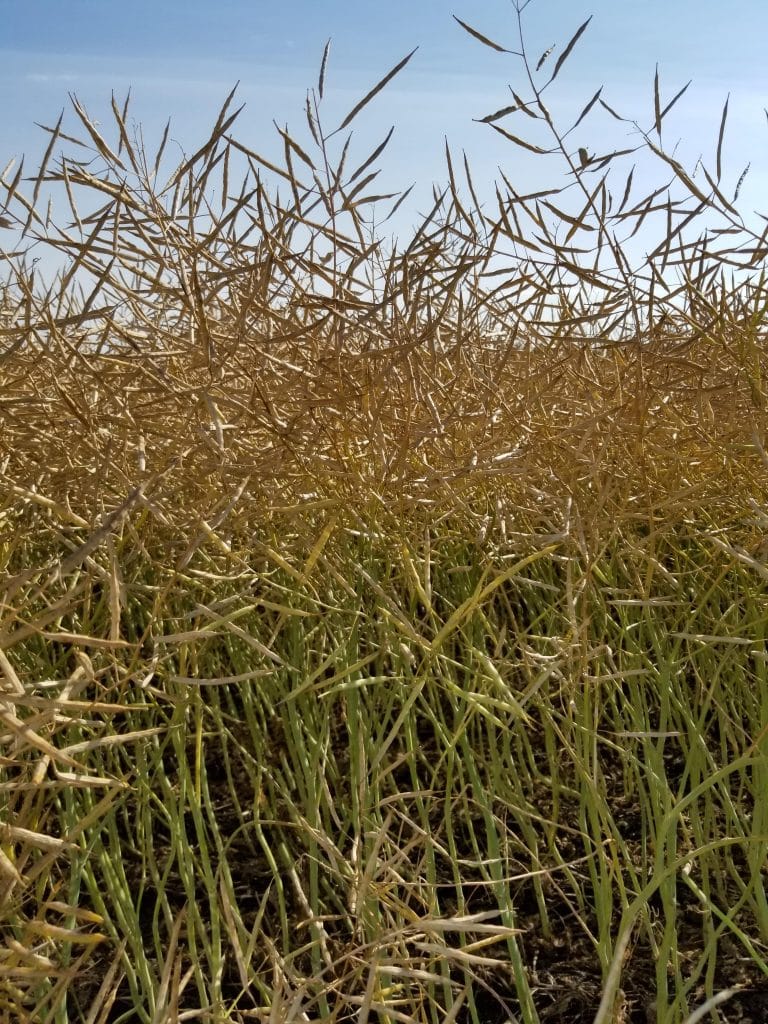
(524,107)
(720,141)
(740,182)
(656,103)
(323,66)
(496,116)
(518,141)
(543,57)
(376,89)
(480,37)
(374,156)
(611,111)
(674,100)
(567,51)
(586,109)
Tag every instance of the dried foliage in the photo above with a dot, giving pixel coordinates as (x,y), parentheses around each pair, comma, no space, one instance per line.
(226,366)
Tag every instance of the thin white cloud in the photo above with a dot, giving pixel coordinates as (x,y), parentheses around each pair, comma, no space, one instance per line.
(38,76)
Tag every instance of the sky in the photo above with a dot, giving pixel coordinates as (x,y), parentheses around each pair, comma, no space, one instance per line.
(180,59)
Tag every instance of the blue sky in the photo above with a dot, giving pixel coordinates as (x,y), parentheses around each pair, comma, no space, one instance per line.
(181,59)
